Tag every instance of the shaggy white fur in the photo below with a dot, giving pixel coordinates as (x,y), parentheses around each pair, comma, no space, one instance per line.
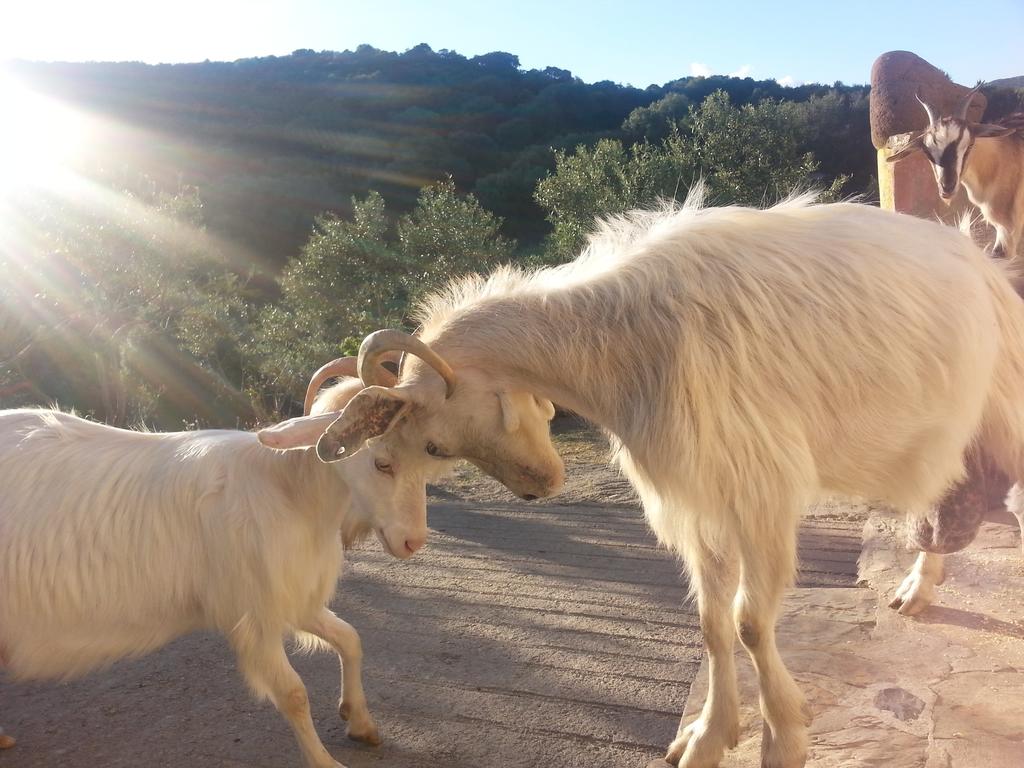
(114,542)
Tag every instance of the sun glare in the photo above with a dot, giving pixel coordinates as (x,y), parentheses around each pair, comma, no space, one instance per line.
(39,137)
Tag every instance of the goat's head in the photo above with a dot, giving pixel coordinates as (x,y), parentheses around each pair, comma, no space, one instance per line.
(466,414)
(947,141)
(385,469)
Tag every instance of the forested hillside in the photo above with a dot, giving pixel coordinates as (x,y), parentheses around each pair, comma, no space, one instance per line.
(270,142)
(224,228)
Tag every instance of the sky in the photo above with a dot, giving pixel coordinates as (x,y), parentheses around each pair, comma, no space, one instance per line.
(637,42)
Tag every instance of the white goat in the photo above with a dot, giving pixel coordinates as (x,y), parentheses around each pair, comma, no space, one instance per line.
(112,543)
(745,362)
(994,177)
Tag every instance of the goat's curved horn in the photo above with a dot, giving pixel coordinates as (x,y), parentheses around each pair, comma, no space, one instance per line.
(349,368)
(927,107)
(966,103)
(343,366)
(380,342)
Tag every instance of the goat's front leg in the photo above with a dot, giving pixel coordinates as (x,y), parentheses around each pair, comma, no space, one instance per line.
(352,706)
(768,562)
(265,665)
(947,528)
(6,742)
(917,591)
(702,743)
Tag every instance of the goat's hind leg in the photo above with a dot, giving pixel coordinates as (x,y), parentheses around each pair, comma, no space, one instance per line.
(352,706)
(702,743)
(267,669)
(768,563)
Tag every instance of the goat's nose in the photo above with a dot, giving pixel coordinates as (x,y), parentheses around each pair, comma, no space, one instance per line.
(412,545)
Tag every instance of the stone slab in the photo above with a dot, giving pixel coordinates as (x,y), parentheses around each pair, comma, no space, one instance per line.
(896,78)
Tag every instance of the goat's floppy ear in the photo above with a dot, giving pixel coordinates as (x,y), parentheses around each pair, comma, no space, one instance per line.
(300,432)
(509,412)
(990,130)
(916,144)
(546,407)
(371,413)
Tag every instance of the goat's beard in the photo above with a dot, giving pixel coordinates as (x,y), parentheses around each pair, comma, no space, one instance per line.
(354,531)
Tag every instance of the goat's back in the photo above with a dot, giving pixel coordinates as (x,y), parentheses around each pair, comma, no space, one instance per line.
(112,542)
(800,349)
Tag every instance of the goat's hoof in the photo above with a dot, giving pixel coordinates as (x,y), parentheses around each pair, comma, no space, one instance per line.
(6,742)
(910,607)
(787,752)
(914,595)
(701,746)
(367,735)
(678,745)
(361,726)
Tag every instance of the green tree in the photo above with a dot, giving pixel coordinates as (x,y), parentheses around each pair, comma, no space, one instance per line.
(657,121)
(357,275)
(122,307)
(347,281)
(746,154)
(448,235)
(753,153)
(606,179)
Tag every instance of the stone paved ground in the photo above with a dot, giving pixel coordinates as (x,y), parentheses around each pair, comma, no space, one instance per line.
(539,635)
(944,689)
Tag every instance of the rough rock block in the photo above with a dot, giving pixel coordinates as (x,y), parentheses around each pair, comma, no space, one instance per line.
(895,79)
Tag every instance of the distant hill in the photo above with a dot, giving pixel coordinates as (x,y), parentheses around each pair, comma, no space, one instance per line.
(1007,82)
(271,141)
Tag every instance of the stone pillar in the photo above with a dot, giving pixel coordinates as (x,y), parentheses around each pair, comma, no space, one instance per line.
(909,185)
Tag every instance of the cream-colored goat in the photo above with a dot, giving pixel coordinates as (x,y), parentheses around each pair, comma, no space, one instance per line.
(113,542)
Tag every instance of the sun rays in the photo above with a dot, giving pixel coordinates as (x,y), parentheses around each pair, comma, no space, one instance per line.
(39,137)
(103,272)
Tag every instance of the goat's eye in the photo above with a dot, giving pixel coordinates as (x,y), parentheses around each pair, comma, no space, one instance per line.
(382,466)
(433,450)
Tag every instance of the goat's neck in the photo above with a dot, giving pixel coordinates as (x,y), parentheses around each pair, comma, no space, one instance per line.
(318,491)
(580,348)
(977,171)
(993,176)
